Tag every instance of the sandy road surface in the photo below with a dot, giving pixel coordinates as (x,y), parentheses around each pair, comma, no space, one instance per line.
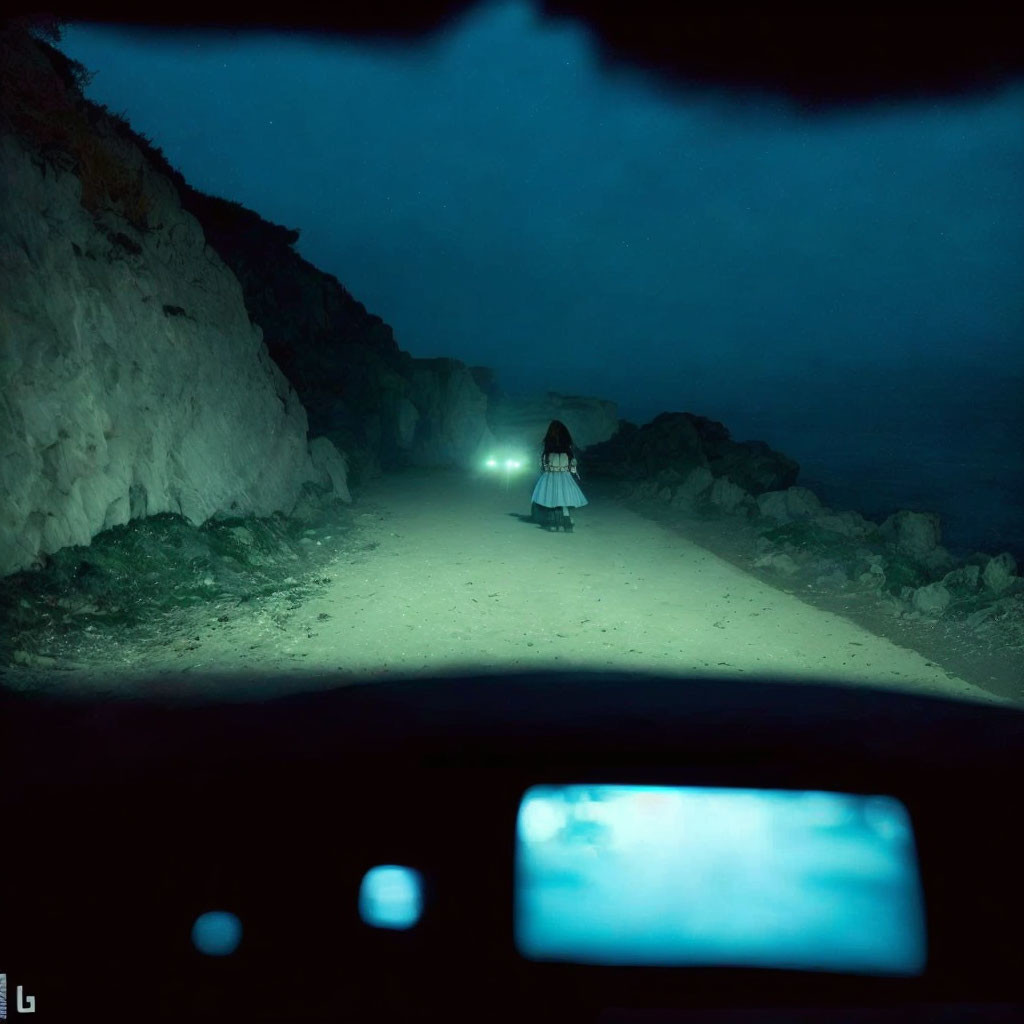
(450,575)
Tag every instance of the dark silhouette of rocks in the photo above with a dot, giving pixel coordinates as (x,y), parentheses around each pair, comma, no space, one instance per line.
(680,442)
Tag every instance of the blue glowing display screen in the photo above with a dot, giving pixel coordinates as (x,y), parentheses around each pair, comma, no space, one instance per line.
(651,875)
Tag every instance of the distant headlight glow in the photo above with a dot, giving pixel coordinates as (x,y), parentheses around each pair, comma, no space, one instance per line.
(507,463)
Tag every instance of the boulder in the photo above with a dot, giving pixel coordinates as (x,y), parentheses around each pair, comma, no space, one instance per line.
(916,534)
(897,607)
(1000,572)
(982,616)
(780,562)
(849,524)
(938,560)
(832,579)
(727,496)
(932,599)
(613,458)
(670,441)
(751,465)
(331,466)
(790,505)
(696,483)
(963,580)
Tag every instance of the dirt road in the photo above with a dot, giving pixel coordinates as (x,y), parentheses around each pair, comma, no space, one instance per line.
(448,574)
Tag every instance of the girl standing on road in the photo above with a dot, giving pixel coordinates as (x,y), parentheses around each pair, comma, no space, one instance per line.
(557,490)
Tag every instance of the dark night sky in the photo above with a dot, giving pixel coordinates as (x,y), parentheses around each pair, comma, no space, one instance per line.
(846,286)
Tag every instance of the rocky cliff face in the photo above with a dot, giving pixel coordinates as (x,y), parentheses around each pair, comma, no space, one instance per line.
(381,405)
(133,381)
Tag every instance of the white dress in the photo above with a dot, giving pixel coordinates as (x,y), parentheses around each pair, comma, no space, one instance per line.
(557,485)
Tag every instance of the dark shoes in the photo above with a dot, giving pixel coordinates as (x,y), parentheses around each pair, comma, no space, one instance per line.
(551,519)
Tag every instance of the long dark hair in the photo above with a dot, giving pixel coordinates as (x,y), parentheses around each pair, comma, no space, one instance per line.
(558,439)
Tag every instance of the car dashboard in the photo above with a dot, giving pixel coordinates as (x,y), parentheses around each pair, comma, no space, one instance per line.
(304,821)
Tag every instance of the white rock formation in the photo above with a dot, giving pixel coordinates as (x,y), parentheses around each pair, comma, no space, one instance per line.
(524,421)
(131,379)
(450,427)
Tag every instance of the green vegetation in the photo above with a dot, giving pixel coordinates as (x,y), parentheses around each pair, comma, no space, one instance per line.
(48,112)
(133,574)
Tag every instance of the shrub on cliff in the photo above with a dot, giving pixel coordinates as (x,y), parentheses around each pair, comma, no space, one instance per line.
(41,101)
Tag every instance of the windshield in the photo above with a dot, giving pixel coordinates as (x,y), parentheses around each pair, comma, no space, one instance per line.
(473,352)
